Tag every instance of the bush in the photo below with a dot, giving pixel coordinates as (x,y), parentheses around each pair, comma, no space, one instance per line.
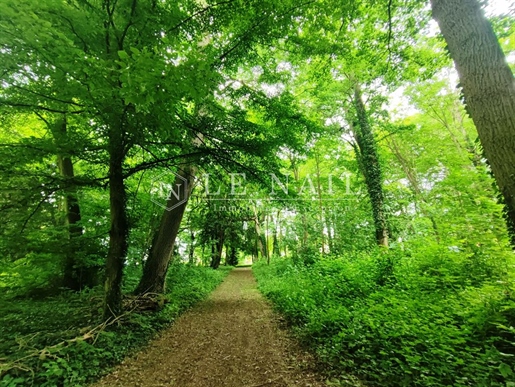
(397,319)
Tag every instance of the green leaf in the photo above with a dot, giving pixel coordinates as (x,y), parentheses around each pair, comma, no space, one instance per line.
(505,370)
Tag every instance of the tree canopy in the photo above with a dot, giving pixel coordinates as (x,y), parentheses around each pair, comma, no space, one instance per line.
(332,144)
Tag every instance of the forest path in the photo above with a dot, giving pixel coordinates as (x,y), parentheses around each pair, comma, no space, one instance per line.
(231,339)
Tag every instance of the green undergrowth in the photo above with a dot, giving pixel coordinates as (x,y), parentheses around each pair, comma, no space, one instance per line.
(46,342)
(396,319)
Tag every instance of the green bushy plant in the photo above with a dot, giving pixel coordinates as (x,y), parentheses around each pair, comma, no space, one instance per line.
(421,317)
(52,333)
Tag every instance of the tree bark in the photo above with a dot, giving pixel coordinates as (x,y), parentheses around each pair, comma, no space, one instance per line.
(191,252)
(259,238)
(118,234)
(487,84)
(161,252)
(371,168)
(75,274)
(217,248)
(276,250)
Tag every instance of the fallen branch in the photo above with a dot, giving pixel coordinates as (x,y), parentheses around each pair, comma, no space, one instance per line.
(87,334)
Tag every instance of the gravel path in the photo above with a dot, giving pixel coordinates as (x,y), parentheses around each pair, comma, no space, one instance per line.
(231,339)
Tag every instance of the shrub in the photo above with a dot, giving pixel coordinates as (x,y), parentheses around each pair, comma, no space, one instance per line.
(400,318)
(49,331)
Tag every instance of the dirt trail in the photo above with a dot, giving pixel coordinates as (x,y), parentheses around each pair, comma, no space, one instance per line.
(231,339)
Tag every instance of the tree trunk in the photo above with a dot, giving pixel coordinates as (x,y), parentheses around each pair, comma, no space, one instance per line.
(259,239)
(217,248)
(275,245)
(267,247)
(305,233)
(191,252)
(156,266)
(118,234)
(331,230)
(320,204)
(487,83)
(411,174)
(75,275)
(231,258)
(371,168)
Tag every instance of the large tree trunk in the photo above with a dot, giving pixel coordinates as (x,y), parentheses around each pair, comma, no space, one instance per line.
(118,234)
(371,168)
(488,86)
(156,266)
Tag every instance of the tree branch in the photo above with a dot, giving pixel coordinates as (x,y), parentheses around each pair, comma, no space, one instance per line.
(203,10)
(38,107)
(149,164)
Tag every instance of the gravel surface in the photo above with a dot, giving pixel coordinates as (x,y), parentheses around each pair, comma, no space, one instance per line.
(231,339)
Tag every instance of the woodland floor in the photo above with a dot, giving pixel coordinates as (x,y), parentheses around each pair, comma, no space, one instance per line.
(231,339)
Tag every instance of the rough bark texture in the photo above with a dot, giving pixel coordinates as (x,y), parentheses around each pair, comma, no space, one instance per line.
(371,169)
(156,266)
(118,234)
(487,83)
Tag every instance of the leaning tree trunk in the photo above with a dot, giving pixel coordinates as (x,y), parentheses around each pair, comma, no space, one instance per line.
(118,234)
(487,83)
(156,266)
(371,168)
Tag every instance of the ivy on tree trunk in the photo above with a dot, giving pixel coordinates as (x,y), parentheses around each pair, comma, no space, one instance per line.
(371,168)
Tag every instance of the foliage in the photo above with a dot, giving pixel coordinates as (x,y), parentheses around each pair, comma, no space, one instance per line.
(432,318)
(45,341)
(102,101)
